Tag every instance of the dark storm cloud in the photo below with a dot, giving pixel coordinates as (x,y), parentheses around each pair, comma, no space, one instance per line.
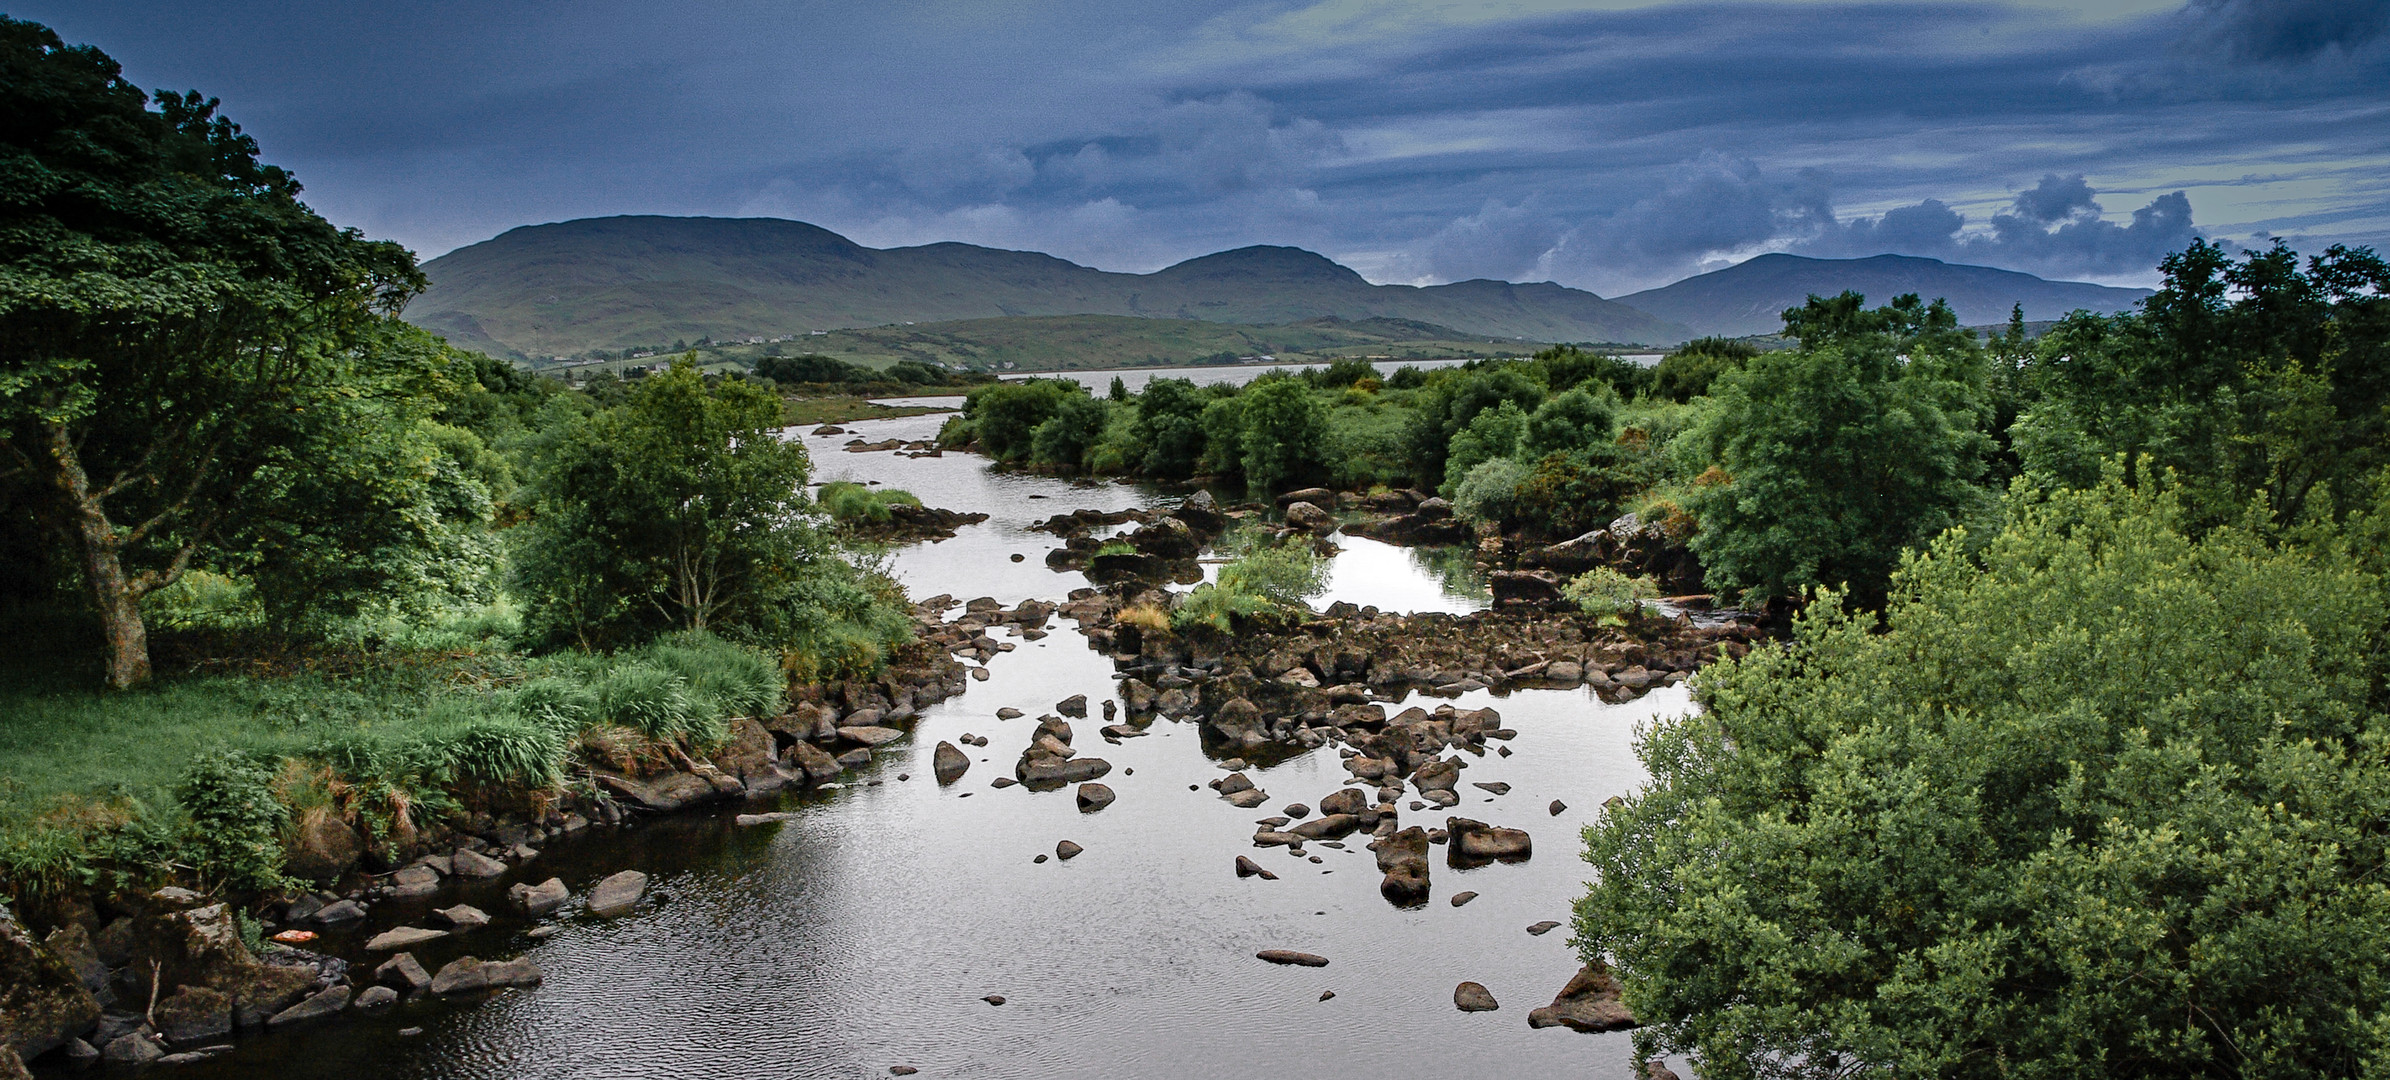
(1605,148)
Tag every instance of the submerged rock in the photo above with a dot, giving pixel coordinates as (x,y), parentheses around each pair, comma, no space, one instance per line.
(618,893)
(1290,956)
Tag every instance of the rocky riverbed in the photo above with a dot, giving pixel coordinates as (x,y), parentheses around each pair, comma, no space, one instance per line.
(1096,824)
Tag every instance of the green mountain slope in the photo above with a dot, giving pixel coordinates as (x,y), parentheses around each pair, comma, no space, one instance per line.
(1750,297)
(612,283)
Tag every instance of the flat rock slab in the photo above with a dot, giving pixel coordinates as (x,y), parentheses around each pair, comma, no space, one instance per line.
(1290,956)
(403,972)
(399,938)
(1544,927)
(1460,898)
(870,736)
(774,817)
(327,1003)
(465,975)
(473,864)
(463,917)
(618,893)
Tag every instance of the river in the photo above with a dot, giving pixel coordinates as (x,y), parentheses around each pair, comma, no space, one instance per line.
(863,934)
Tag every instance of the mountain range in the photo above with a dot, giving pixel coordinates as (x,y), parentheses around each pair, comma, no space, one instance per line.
(1750,296)
(568,288)
(621,282)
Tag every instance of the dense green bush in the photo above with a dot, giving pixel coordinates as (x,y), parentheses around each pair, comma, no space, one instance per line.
(1493,433)
(1489,493)
(1607,593)
(1067,438)
(1688,371)
(236,822)
(1285,435)
(2107,802)
(1169,427)
(1004,416)
(1829,462)
(1264,583)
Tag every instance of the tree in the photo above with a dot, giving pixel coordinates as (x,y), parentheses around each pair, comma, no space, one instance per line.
(167,308)
(681,508)
(1687,372)
(809,368)
(1829,461)
(1169,425)
(1064,439)
(2107,803)
(1004,416)
(1286,434)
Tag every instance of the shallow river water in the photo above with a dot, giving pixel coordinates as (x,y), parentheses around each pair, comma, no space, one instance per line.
(863,934)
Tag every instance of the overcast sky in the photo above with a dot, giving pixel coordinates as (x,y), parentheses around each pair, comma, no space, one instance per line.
(1607,145)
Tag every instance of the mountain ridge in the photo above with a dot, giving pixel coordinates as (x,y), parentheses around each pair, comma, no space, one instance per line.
(610,283)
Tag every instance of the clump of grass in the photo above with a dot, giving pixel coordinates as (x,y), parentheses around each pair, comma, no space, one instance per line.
(1115,547)
(1147,617)
(854,504)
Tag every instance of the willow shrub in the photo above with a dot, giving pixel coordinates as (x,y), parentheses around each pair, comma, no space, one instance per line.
(2109,803)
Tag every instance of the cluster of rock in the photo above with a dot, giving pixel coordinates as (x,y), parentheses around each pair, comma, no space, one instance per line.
(1411,517)
(918,447)
(908,523)
(1282,686)
(1163,547)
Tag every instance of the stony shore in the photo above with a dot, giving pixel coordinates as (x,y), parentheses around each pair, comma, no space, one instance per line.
(164,976)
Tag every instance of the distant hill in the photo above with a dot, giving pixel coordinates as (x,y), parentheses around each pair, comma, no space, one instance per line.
(1750,297)
(1068,342)
(612,283)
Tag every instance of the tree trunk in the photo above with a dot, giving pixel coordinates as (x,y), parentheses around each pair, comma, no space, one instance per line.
(113,595)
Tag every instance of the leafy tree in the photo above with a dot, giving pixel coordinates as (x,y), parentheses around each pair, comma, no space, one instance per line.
(1829,461)
(2108,803)
(1493,433)
(1687,372)
(1564,366)
(168,309)
(1571,422)
(1065,439)
(1454,398)
(679,509)
(1285,435)
(1223,424)
(2244,378)
(1340,373)
(1004,416)
(809,368)
(1169,426)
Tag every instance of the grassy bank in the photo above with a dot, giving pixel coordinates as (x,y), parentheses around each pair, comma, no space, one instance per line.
(394,740)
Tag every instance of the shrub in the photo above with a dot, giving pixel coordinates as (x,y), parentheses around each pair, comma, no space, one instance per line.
(1612,595)
(1492,434)
(1285,435)
(1490,492)
(1005,416)
(1267,583)
(2102,800)
(236,822)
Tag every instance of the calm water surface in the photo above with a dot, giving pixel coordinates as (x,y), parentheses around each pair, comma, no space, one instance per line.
(863,934)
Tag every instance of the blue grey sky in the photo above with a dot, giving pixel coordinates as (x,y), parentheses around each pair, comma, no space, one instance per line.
(1611,145)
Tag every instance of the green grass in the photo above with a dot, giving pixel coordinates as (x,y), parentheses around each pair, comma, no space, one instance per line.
(405,733)
(854,504)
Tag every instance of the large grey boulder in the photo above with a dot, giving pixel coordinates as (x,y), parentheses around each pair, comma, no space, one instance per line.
(401,938)
(618,893)
(1310,518)
(1478,842)
(465,975)
(949,763)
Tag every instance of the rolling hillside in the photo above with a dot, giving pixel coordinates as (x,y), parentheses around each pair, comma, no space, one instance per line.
(1750,297)
(612,283)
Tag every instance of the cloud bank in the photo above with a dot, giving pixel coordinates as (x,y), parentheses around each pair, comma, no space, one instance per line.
(1602,147)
